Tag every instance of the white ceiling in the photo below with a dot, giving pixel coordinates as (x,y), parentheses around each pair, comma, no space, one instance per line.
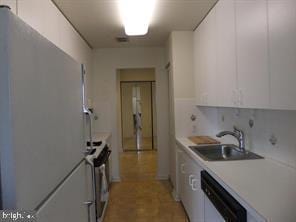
(98,21)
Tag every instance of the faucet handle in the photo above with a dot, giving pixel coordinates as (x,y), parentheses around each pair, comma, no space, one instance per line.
(237,130)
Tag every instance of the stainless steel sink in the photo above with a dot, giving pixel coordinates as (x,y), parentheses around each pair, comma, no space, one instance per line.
(223,152)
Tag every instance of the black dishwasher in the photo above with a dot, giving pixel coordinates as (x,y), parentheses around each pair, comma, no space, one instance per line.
(229,208)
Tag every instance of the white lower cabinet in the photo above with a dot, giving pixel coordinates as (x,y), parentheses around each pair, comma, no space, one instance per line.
(189,184)
(183,174)
(196,212)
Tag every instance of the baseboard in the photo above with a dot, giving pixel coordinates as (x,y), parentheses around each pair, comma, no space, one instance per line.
(162,177)
(175,196)
(116,179)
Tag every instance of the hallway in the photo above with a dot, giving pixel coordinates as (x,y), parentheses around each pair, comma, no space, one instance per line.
(139,197)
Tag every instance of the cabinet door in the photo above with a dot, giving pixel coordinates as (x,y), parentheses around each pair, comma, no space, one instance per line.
(190,191)
(187,200)
(252,59)
(197,195)
(178,171)
(198,61)
(181,175)
(201,50)
(209,75)
(226,54)
(205,61)
(282,43)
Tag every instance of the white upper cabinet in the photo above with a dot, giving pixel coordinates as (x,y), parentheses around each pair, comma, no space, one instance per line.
(245,55)
(210,73)
(282,43)
(226,54)
(252,53)
(197,64)
(205,59)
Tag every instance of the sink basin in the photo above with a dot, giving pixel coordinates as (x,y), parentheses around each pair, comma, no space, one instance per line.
(223,152)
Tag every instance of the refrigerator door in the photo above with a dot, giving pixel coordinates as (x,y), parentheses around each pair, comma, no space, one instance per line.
(68,203)
(41,121)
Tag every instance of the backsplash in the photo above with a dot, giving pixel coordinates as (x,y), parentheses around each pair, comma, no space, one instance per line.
(184,126)
(266,124)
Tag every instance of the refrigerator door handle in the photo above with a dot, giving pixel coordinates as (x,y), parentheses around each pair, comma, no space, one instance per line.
(83,73)
(86,111)
(88,115)
(88,204)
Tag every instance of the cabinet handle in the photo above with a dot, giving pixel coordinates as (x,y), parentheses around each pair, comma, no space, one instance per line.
(241,97)
(234,98)
(183,168)
(194,182)
(191,177)
(205,99)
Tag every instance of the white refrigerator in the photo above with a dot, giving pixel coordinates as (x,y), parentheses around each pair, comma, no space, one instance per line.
(41,126)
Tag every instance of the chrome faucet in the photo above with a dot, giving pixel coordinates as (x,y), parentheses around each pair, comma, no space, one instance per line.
(238,134)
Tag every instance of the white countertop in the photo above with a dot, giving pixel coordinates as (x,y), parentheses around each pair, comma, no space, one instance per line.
(264,187)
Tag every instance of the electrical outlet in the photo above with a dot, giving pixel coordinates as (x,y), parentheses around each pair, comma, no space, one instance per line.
(273,140)
(194,129)
(251,123)
(237,113)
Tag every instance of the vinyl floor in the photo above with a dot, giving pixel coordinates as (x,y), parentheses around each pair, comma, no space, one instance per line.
(129,144)
(139,197)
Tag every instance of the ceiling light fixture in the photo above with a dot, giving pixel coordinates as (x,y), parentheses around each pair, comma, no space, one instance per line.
(136,15)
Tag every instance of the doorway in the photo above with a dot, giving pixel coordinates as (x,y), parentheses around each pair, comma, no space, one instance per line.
(138,111)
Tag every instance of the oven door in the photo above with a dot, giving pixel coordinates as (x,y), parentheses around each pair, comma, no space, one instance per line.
(102,184)
(99,183)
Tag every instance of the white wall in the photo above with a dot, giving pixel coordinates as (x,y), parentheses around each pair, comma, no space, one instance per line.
(106,63)
(179,53)
(182,64)
(44,17)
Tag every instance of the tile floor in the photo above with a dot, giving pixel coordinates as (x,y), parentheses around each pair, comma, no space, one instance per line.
(140,197)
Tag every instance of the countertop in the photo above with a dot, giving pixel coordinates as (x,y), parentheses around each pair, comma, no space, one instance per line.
(266,188)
